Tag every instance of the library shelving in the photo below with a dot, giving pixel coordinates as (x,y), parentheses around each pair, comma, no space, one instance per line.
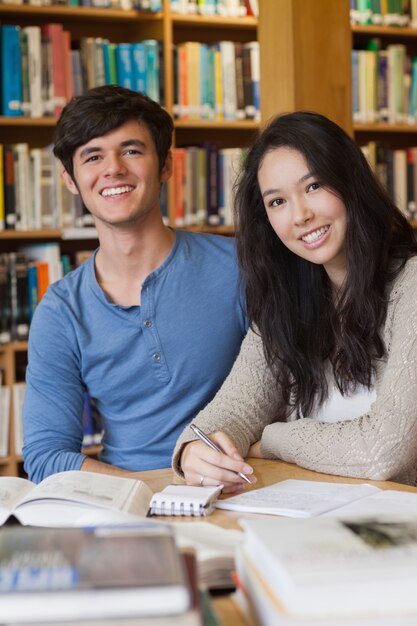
(304,64)
(395,136)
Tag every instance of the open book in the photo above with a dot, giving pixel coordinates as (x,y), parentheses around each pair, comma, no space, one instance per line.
(78,498)
(307,498)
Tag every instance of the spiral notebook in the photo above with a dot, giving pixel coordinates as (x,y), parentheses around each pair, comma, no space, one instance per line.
(184,500)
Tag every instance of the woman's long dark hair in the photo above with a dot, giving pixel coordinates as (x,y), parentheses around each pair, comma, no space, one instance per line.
(289,299)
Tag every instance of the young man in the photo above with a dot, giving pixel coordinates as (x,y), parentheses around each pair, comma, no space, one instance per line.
(150,325)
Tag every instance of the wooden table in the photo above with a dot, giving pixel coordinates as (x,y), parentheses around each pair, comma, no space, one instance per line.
(267,473)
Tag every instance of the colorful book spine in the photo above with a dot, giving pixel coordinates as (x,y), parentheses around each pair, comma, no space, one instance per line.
(33,35)
(124,65)
(11,73)
(2,211)
(58,56)
(139,66)
(152,69)
(10,216)
(179,186)
(110,65)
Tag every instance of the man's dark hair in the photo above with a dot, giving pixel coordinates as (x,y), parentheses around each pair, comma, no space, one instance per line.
(104,109)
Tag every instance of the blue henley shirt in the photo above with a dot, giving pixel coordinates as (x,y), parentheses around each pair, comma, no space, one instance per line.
(149,368)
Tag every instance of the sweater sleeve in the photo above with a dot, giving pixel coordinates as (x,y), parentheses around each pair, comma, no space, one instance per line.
(246,402)
(381,444)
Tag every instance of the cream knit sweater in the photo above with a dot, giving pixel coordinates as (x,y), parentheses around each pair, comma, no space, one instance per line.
(380,445)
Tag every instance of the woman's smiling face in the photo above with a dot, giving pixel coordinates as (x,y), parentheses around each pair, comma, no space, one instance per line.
(309,219)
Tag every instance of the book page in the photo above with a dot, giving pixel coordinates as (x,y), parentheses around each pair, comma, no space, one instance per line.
(100,490)
(12,489)
(382,504)
(297,498)
(215,549)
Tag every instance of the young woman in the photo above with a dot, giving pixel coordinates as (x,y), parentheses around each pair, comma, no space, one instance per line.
(327,375)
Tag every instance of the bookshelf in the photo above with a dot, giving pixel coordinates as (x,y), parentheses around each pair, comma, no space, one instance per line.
(304,64)
(391,135)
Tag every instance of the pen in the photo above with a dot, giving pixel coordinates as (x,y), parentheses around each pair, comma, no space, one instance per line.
(212,445)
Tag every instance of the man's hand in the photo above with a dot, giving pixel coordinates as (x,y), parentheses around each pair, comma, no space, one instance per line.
(203,466)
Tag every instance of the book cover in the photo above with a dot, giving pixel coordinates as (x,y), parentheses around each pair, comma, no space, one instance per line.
(227,52)
(240,96)
(4,419)
(109,60)
(18,296)
(22,182)
(152,53)
(181,108)
(18,396)
(25,103)
(124,65)
(327,567)
(48,253)
(5,303)
(33,299)
(35,175)
(58,59)
(2,210)
(47,85)
(139,66)
(213,218)
(87,61)
(73,574)
(179,186)
(400,180)
(10,216)
(98,61)
(11,70)
(255,73)
(34,52)
(68,78)
(248,90)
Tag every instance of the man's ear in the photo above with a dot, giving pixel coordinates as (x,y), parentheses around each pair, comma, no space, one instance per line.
(166,172)
(71,186)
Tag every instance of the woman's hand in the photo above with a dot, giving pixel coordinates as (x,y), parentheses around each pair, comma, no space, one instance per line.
(255,450)
(203,466)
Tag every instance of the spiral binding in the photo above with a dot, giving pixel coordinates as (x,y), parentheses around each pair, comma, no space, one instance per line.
(176,508)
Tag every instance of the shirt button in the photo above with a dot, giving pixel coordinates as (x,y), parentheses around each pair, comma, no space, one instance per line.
(147,323)
(156,356)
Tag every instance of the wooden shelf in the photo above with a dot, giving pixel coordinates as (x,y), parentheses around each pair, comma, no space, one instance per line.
(14,346)
(218,230)
(50,122)
(55,11)
(224,124)
(31,122)
(385,128)
(31,234)
(397,32)
(214,21)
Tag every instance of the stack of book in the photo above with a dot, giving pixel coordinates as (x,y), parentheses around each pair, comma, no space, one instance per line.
(329,572)
(136,574)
